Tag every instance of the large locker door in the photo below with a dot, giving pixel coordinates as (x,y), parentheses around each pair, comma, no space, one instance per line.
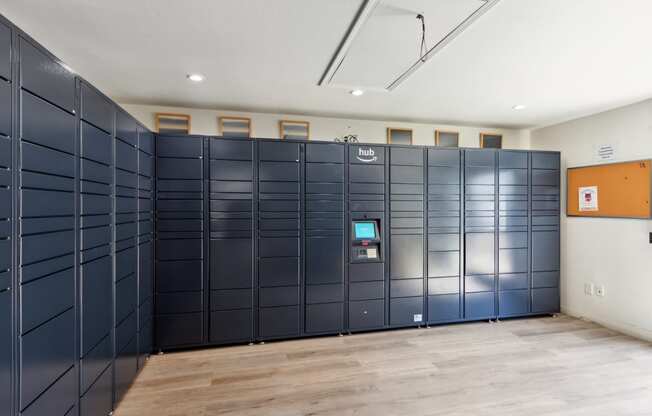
(95,257)
(366,199)
(513,235)
(406,245)
(545,232)
(145,244)
(48,375)
(444,238)
(126,252)
(279,241)
(180,242)
(324,247)
(6,192)
(231,240)
(479,234)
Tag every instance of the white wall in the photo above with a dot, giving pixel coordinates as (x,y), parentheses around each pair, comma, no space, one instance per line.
(611,252)
(204,121)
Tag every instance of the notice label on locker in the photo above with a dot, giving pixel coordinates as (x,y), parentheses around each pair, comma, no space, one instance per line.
(418,317)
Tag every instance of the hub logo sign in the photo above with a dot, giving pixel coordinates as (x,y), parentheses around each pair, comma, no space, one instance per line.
(366,154)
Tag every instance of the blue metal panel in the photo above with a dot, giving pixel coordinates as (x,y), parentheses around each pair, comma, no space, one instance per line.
(98,400)
(41,75)
(41,367)
(45,298)
(96,110)
(96,303)
(5,349)
(59,399)
(98,359)
(47,125)
(231,325)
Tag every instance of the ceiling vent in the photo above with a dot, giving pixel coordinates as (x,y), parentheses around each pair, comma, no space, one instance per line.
(390,39)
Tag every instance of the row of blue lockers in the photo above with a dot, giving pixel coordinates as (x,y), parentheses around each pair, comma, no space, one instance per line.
(76,238)
(254,237)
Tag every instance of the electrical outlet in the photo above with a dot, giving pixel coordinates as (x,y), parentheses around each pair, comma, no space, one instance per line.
(599,290)
(588,289)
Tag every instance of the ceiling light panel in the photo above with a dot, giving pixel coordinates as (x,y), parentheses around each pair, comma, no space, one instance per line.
(382,45)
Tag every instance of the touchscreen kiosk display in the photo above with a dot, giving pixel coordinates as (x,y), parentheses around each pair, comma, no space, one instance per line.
(365,231)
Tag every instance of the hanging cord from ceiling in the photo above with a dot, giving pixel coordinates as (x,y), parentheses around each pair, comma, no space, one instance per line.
(423,48)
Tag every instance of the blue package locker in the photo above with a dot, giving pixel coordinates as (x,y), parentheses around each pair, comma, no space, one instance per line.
(232,224)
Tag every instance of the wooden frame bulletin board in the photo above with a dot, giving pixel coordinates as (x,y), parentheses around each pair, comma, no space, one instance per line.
(623,190)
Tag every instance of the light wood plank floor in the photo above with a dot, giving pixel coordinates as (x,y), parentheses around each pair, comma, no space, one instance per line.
(542,366)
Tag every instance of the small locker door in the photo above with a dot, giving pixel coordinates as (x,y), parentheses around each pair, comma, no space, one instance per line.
(324,225)
(231,240)
(279,240)
(480,228)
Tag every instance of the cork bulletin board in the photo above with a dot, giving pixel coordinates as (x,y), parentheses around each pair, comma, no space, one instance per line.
(616,190)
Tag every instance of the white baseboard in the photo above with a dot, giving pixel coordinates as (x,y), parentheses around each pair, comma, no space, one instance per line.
(622,327)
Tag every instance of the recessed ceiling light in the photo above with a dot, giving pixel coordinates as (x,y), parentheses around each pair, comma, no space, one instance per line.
(357,93)
(519,107)
(195,77)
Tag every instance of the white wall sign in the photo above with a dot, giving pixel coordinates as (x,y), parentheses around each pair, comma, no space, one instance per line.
(588,198)
(605,153)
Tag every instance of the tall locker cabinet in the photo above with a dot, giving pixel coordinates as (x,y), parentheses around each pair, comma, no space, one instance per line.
(324,240)
(513,235)
(126,252)
(95,255)
(480,203)
(231,240)
(6,222)
(145,243)
(545,232)
(279,239)
(406,245)
(180,286)
(366,197)
(47,241)
(444,235)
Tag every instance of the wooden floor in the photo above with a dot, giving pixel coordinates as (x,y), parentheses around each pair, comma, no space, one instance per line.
(544,366)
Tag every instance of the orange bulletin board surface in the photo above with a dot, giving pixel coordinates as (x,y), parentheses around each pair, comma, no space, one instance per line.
(623,189)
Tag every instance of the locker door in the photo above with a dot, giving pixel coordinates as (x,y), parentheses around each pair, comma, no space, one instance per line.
(406,221)
(513,233)
(480,234)
(180,214)
(444,231)
(231,240)
(545,232)
(279,241)
(324,225)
